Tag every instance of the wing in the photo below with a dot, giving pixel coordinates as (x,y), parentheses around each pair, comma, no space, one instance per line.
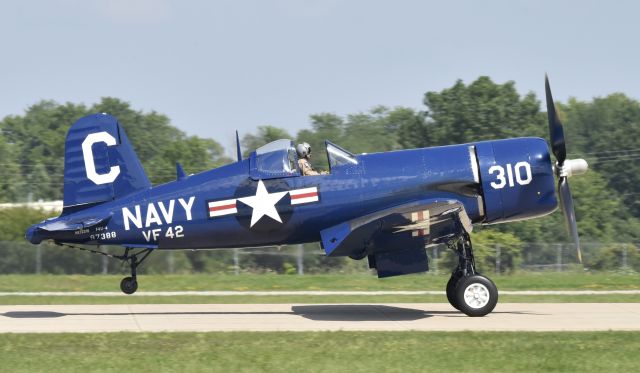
(395,238)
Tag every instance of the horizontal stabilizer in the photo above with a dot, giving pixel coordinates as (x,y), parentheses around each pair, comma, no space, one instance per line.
(70,225)
(64,229)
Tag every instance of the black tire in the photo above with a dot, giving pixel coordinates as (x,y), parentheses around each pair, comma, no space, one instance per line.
(451,290)
(359,256)
(476,295)
(128,285)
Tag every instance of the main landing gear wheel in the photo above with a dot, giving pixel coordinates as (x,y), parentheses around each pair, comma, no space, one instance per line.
(128,285)
(467,291)
(451,289)
(476,295)
(359,256)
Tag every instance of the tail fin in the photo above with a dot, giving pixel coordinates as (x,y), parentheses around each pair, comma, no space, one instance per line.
(99,163)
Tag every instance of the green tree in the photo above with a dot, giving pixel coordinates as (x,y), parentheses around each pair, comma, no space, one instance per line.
(325,126)
(12,180)
(265,135)
(607,133)
(38,140)
(15,221)
(196,154)
(482,110)
(39,184)
(159,145)
(371,132)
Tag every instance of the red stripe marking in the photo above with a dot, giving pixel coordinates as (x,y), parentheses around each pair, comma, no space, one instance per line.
(223,207)
(305,195)
(420,215)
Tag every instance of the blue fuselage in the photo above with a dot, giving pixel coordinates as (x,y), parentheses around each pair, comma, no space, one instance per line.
(497,181)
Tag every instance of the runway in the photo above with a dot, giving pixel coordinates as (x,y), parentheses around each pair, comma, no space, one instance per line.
(315,317)
(225,293)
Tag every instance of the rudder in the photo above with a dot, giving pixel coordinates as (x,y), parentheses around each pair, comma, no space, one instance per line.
(99,163)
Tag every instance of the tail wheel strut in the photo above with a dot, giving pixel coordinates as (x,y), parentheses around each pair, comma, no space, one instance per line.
(129,285)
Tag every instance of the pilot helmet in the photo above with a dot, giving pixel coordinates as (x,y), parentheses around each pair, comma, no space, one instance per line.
(303,150)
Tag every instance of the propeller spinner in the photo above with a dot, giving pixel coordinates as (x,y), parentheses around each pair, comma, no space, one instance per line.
(564,167)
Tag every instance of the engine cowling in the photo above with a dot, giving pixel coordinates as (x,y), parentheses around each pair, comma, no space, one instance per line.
(517,179)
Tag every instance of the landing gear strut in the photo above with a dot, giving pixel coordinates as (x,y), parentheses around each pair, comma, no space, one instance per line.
(129,285)
(467,290)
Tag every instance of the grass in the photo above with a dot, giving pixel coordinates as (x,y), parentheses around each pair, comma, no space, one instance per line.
(322,351)
(520,281)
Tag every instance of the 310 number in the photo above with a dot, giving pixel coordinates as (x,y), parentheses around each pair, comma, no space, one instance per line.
(513,175)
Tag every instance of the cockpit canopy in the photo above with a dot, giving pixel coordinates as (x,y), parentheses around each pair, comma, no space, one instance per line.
(274,160)
(338,156)
(279,159)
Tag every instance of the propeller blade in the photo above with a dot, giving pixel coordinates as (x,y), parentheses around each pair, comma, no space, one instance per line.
(566,203)
(556,132)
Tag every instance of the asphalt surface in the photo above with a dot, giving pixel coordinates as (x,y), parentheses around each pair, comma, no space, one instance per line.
(315,317)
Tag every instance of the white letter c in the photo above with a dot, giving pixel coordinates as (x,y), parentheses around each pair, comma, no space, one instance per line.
(89,163)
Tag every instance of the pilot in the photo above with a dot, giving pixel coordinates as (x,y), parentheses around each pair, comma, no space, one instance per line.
(304,153)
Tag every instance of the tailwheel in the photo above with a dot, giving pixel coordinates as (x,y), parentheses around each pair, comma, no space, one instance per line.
(476,295)
(128,285)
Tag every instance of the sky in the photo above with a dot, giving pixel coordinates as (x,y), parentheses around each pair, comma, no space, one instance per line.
(216,66)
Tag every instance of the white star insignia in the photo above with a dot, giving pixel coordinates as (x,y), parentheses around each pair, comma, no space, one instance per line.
(263,203)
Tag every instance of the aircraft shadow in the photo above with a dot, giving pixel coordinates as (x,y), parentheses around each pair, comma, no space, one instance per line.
(360,312)
(323,312)
(332,312)
(51,314)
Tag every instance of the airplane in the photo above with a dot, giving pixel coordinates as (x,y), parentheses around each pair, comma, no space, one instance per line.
(387,207)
